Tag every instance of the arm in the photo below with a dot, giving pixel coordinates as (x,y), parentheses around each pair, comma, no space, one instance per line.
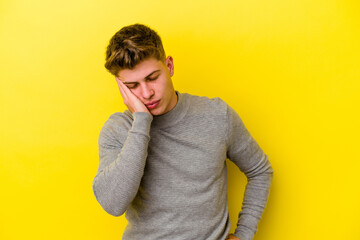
(244,151)
(121,165)
(122,154)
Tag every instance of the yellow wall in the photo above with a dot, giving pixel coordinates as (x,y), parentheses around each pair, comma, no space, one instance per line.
(290,69)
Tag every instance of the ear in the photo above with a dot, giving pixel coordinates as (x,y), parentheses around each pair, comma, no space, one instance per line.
(169,62)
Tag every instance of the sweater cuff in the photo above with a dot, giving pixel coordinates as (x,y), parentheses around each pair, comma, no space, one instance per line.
(142,122)
(248,230)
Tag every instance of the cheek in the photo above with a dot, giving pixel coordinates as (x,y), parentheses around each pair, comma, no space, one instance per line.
(158,87)
(136,92)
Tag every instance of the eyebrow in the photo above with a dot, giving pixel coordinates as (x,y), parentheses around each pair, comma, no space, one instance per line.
(145,77)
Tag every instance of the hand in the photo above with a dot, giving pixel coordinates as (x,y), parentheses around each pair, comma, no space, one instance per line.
(230,236)
(133,103)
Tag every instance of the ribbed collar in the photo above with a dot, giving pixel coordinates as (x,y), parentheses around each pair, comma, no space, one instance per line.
(175,115)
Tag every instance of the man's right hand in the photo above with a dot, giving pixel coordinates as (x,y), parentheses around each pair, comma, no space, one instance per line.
(132,102)
(230,236)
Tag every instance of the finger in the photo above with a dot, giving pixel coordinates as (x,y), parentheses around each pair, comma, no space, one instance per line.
(122,88)
(125,89)
(128,94)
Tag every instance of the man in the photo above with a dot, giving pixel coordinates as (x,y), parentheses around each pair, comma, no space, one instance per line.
(163,160)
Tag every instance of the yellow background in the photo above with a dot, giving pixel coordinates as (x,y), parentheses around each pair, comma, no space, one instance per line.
(289,68)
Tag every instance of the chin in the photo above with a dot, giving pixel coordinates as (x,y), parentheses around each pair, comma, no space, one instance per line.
(156,112)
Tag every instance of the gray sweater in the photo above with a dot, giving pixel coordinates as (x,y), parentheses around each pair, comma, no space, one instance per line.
(169,172)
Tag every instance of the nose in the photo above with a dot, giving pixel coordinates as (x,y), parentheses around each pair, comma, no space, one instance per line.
(147,91)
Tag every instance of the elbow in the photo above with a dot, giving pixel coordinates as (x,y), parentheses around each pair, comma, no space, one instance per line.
(116,212)
(113,209)
(268,169)
(109,203)
(262,176)
(268,172)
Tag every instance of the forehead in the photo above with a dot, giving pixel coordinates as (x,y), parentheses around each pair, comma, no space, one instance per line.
(141,70)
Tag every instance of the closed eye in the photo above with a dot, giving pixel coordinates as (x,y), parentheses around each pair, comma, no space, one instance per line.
(152,78)
(131,85)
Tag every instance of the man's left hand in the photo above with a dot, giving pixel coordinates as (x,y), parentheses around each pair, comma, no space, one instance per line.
(230,236)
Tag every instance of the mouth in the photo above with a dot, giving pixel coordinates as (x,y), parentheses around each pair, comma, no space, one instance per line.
(153,104)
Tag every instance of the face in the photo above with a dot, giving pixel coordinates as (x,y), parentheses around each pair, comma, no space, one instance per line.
(150,81)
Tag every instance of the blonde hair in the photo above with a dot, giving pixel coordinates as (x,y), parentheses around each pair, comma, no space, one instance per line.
(131,45)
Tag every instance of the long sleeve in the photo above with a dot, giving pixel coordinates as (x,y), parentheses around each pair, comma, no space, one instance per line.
(244,151)
(122,158)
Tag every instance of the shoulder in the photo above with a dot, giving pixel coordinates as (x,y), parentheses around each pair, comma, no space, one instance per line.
(119,120)
(204,101)
(116,126)
(206,105)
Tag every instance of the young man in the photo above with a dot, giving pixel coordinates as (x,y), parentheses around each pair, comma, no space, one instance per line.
(163,160)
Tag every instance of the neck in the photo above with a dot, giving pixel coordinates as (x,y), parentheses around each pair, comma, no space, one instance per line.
(175,114)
